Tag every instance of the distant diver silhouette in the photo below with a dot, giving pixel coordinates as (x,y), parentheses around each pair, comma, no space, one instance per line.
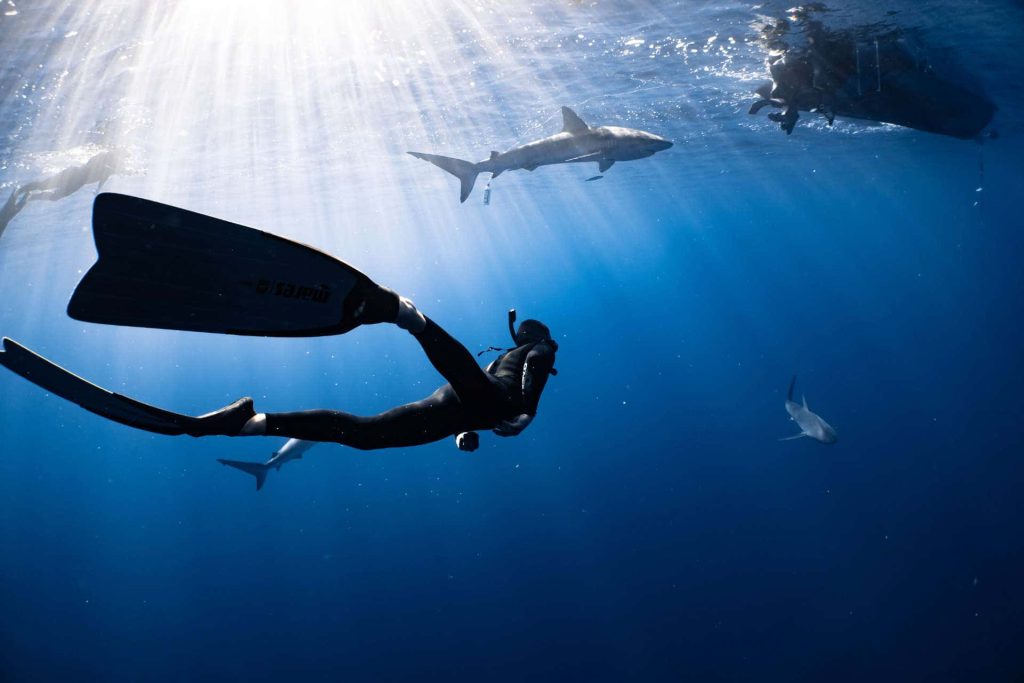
(97,169)
(864,73)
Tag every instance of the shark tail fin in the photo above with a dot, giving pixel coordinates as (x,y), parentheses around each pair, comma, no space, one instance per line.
(256,469)
(792,385)
(465,171)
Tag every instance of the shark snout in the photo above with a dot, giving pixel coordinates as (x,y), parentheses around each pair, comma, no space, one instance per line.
(660,144)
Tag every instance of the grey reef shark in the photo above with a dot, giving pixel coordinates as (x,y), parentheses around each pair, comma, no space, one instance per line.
(577,143)
(292,450)
(811,425)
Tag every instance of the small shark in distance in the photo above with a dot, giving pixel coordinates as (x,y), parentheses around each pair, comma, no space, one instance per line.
(577,143)
(810,424)
(292,450)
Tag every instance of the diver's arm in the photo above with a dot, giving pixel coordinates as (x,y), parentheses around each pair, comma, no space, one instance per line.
(513,427)
(539,363)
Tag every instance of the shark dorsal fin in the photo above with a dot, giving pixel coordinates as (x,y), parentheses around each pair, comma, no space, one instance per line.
(494,155)
(804,397)
(572,123)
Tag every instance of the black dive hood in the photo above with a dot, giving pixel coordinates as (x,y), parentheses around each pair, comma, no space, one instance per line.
(529,331)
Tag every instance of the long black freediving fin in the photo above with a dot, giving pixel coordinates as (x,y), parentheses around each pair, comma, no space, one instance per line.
(93,398)
(164,267)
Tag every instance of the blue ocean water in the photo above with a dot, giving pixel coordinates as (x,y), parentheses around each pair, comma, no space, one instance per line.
(649,525)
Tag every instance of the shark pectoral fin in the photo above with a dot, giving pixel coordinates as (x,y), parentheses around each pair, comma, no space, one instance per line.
(571,123)
(791,438)
(604,165)
(497,173)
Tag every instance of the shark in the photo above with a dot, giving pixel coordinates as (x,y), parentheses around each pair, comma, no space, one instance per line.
(576,143)
(810,424)
(293,449)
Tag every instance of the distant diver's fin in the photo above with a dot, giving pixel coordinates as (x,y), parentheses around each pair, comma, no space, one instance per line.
(167,268)
(593,177)
(465,171)
(256,469)
(571,123)
(789,394)
(604,165)
(69,386)
(795,436)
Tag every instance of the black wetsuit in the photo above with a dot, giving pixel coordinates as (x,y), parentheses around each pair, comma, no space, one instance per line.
(474,399)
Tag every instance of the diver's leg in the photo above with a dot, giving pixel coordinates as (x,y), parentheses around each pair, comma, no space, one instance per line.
(31,187)
(457,365)
(435,417)
(376,304)
(10,210)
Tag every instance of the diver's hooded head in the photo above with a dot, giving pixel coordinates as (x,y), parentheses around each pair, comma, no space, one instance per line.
(532,331)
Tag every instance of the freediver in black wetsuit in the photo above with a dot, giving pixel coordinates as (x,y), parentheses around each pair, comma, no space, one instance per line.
(502,398)
(167,268)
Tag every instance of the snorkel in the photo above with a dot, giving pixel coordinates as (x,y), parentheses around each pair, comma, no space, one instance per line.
(512,324)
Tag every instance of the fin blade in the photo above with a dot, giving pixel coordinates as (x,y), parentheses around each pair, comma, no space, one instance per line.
(256,469)
(465,171)
(69,386)
(604,165)
(571,123)
(167,268)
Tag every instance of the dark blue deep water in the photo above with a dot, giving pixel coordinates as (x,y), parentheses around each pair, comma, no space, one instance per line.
(649,525)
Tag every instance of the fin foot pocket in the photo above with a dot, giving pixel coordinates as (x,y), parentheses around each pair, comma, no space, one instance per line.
(228,421)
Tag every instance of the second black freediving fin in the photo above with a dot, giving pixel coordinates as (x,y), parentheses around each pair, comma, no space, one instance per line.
(164,267)
(95,399)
